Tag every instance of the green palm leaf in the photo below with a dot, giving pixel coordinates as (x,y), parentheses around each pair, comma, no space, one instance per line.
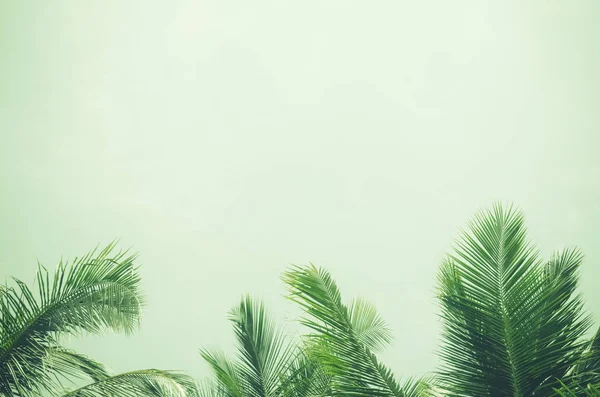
(305,377)
(578,390)
(264,354)
(140,383)
(93,293)
(228,380)
(344,336)
(69,364)
(511,323)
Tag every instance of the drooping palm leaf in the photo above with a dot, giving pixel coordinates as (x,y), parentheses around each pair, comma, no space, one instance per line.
(71,365)
(344,336)
(228,380)
(305,377)
(98,291)
(511,323)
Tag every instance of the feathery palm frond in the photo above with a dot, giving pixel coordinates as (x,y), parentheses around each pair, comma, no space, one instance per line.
(264,350)
(586,372)
(69,364)
(512,324)
(344,336)
(263,354)
(96,292)
(369,327)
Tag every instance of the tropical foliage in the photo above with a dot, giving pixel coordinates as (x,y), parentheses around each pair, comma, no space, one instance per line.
(336,359)
(97,292)
(513,323)
(267,364)
(513,326)
(346,338)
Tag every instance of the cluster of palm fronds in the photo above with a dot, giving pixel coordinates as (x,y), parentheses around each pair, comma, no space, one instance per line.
(513,326)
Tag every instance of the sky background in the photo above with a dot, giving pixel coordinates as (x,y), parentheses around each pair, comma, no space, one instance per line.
(225,140)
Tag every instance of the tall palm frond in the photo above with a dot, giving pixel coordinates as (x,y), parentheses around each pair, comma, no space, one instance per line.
(345,336)
(512,324)
(140,383)
(95,292)
(264,354)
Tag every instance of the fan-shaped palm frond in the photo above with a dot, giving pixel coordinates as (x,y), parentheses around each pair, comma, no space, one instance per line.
(512,323)
(140,383)
(95,292)
(344,336)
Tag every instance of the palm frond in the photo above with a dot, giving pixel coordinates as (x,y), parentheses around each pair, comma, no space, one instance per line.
(342,347)
(228,379)
(304,377)
(511,323)
(587,369)
(71,365)
(370,328)
(95,292)
(211,388)
(578,390)
(148,382)
(263,349)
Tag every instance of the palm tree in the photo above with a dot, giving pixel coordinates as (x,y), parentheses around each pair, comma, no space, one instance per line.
(345,338)
(97,292)
(267,364)
(514,324)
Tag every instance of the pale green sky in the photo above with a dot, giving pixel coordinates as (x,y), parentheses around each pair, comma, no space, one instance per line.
(226,139)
